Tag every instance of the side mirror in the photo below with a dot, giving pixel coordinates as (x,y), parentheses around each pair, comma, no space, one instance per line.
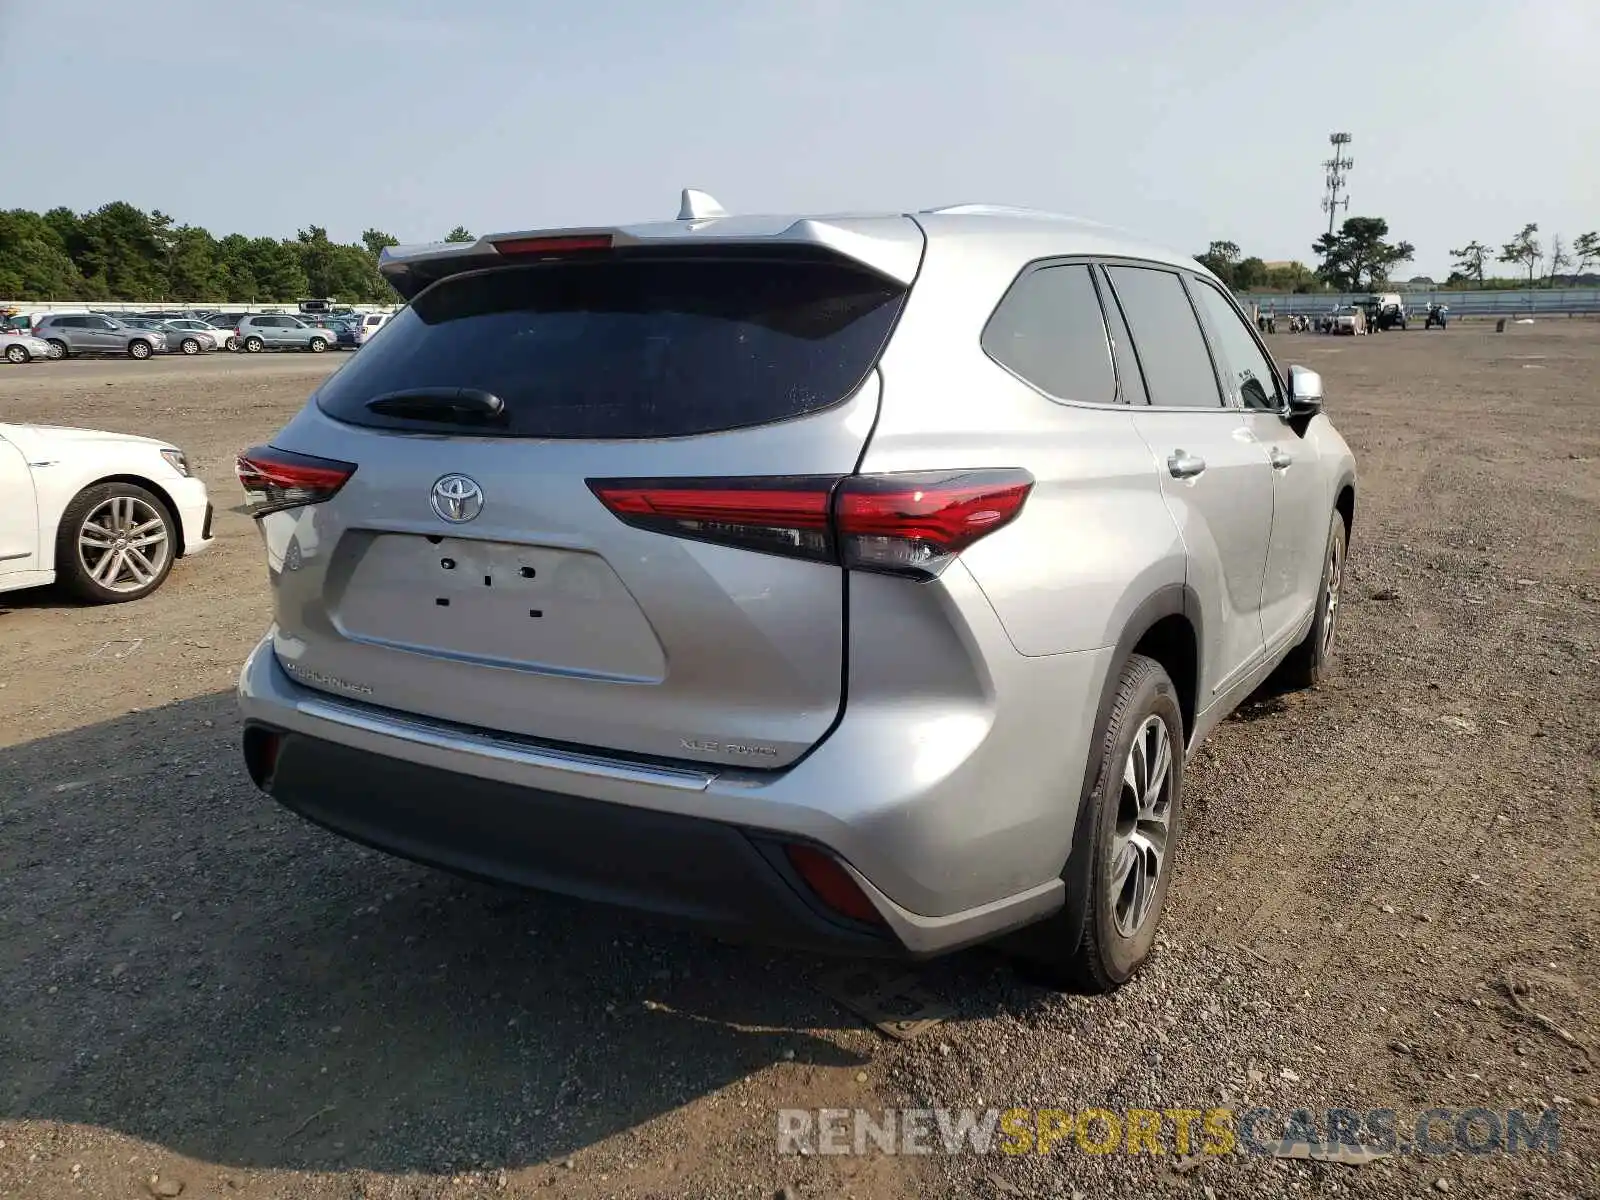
(1305,392)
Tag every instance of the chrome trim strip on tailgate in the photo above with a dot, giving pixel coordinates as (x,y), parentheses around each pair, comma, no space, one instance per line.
(487,745)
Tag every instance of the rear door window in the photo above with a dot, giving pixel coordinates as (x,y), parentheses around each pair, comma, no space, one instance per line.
(1049,329)
(1166,334)
(644,347)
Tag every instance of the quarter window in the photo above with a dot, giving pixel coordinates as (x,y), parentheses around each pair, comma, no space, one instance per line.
(1172,350)
(1049,329)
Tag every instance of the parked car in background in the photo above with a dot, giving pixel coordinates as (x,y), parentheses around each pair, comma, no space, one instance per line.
(1348,319)
(19,347)
(280,331)
(97,334)
(105,514)
(176,341)
(345,330)
(370,324)
(183,326)
(859,583)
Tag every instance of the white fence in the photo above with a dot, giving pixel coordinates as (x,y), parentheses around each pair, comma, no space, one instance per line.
(1522,302)
(196,306)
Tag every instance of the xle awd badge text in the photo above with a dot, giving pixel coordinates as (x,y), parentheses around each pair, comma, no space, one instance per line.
(706,746)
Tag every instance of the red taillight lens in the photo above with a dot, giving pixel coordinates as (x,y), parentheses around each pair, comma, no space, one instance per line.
(276,479)
(909,524)
(785,515)
(915,524)
(831,883)
(554,245)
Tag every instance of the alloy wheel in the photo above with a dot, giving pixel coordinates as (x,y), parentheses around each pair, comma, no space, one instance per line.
(123,544)
(1330,619)
(1144,820)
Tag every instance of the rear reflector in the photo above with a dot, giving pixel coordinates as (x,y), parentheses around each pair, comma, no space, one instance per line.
(832,884)
(911,524)
(276,479)
(261,747)
(554,245)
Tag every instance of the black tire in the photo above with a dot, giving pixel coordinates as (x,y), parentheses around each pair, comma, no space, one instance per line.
(231,344)
(60,349)
(1111,950)
(140,349)
(1315,658)
(253,345)
(317,345)
(17,354)
(191,346)
(71,571)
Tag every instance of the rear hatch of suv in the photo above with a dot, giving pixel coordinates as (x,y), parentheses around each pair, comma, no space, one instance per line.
(585,499)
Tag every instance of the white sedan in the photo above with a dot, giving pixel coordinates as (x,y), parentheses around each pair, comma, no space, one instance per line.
(17,347)
(105,514)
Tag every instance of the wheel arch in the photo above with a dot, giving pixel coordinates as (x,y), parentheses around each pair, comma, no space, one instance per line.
(149,485)
(1166,626)
(1345,503)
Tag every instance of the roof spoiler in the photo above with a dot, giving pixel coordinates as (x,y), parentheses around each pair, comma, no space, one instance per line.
(891,248)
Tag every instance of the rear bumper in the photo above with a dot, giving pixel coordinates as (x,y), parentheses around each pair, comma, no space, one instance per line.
(697,846)
(707,874)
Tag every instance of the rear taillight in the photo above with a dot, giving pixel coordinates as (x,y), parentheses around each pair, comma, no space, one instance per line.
(276,479)
(778,515)
(915,524)
(910,524)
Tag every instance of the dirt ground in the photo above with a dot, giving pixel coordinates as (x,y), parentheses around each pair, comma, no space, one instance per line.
(1387,892)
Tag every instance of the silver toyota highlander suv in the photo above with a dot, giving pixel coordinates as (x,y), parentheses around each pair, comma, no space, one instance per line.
(858,583)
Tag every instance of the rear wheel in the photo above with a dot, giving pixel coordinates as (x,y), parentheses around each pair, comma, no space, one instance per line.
(139,349)
(253,345)
(116,542)
(231,344)
(17,354)
(1125,866)
(1312,661)
(191,346)
(58,348)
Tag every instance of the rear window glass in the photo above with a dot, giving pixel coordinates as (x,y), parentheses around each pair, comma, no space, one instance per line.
(630,348)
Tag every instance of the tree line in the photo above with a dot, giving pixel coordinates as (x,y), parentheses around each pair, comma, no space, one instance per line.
(121,252)
(1360,256)
(1527,252)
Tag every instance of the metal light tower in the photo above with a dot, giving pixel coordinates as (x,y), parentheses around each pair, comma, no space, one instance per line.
(1335,178)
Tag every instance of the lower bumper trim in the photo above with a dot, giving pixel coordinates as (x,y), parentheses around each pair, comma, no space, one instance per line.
(706,873)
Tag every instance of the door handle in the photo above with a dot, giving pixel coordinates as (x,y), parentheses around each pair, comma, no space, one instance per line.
(1184,465)
(1280,460)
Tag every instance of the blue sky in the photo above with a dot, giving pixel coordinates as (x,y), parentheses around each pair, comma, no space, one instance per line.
(1185,121)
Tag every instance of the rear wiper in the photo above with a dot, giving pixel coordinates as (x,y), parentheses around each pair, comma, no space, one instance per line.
(461,406)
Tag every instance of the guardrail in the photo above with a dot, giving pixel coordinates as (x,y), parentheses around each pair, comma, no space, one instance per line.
(1522,302)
